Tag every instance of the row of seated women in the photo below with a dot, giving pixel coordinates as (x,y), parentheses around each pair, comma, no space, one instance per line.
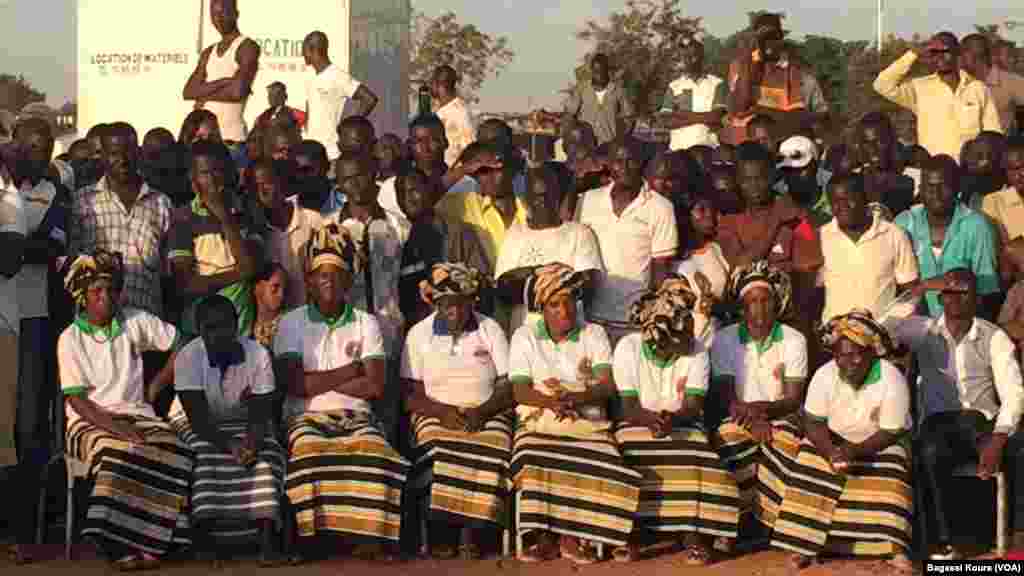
(489,417)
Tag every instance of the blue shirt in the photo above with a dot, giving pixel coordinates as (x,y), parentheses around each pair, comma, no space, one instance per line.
(969,243)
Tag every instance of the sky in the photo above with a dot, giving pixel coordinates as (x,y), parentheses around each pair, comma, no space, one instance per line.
(39,36)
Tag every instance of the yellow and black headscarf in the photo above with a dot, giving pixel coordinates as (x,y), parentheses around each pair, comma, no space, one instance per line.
(332,244)
(860,327)
(88,268)
(764,275)
(451,279)
(662,315)
(549,280)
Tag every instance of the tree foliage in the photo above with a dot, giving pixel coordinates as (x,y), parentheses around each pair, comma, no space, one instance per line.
(644,43)
(474,54)
(16,92)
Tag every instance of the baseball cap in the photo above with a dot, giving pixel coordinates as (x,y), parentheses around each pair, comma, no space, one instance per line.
(797,152)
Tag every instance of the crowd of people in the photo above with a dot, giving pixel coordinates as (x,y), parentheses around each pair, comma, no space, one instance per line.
(310,335)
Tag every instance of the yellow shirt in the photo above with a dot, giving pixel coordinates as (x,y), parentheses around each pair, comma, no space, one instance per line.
(1007,91)
(1006,209)
(477,210)
(945,119)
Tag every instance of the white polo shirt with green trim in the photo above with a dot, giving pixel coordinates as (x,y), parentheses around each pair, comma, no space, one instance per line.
(759,369)
(324,344)
(881,403)
(661,386)
(104,364)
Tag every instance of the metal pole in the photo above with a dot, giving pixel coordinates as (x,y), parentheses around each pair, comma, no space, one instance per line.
(881,12)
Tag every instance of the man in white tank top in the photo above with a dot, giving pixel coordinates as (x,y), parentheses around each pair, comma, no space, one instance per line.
(222,80)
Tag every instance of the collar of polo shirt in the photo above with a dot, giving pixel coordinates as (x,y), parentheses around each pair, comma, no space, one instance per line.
(763,346)
(316,317)
(108,332)
(543,334)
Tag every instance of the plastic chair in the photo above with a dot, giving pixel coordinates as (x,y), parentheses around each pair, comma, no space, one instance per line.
(520,532)
(1002,518)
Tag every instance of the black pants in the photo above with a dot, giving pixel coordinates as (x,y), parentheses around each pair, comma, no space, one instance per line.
(948,440)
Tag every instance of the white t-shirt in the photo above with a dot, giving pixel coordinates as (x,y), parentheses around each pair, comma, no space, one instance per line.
(882,403)
(712,264)
(322,346)
(225,394)
(459,128)
(759,373)
(534,357)
(33,288)
(12,220)
(328,91)
(105,365)
(572,244)
(645,230)
(660,386)
(456,372)
(286,248)
(706,95)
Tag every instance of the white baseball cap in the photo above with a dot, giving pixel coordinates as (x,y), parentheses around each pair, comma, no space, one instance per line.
(797,152)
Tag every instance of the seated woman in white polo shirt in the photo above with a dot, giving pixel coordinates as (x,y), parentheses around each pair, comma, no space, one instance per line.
(225,388)
(574,487)
(455,371)
(662,375)
(135,513)
(848,490)
(759,371)
(331,361)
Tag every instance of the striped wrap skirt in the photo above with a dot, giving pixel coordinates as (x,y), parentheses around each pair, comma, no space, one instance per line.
(759,472)
(465,474)
(227,498)
(865,511)
(344,477)
(575,485)
(139,501)
(686,486)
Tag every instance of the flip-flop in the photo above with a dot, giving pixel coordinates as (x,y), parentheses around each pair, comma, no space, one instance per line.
(129,563)
(799,561)
(578,553)
(19,556)
(900,563)
(724,545)
(539,552)
(698,555)
(625,554)
(469,551)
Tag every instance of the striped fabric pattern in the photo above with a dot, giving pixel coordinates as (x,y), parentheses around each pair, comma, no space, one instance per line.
(866,512)
(686,486)
(227,495)
(465,473)
(758,472)
(576,486)
(140,496)
(344,477)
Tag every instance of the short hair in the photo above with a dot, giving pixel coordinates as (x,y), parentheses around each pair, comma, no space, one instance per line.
(600,57)
(754,152)
(123,129)
(193,121)
(403,173)
(853,182)
(503,132)
(762,120)
(279,169)
(945,164)
(949,38)
(214,151)
(316,39)
(277,84)
(312,149)
(96,131)
(358,122)
(549,175)
(216,302)
(447,76)
(431,121)
(980,45)
(267,270)
(80,143)
(162,133)
(883,123)
(33,125)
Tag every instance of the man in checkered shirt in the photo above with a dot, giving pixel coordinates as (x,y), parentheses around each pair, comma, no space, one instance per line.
(121,213)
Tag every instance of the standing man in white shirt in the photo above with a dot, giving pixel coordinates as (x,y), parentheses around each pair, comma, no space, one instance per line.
(327,91)
(459,126)
(696,102)
(222,80)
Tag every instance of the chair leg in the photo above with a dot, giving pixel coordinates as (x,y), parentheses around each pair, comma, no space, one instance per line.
(1001,516)
(69,518)
(515,524)
(506,542)
(41,508)
(424,515)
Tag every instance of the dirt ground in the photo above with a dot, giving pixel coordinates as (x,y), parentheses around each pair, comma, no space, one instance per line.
(772,563)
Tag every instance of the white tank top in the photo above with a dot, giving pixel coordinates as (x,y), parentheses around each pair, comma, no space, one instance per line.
(229,114)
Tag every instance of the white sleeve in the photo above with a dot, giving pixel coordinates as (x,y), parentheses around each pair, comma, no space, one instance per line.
(154,333)
(263,380)
(588,253)
(1006,371)
(906,260)
(508,253)
(894,414)
(73,378)
(499,346)
(188,368)
(794,357)
(665,237)
(519,364)
(819,393)
(698,374)
(347,85)
(624,369)
(12,213)
(373,341)
(412,365)
(598,346)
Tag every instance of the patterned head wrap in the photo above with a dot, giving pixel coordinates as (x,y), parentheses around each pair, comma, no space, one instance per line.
(859,327)
(549,280)
(451,279)
(332,244)
(662,314)
(89,268)
(762,275)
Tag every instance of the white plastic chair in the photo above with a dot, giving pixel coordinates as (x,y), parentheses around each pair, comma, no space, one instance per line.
(1002,518)
(520,532)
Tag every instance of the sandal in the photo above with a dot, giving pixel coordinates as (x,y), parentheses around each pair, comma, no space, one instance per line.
(698,555)
(800,562)
(469,551)
(576,551)
(901,563)
(724,544)
(129,563)
(19,555)
(539,552)
(625,554)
